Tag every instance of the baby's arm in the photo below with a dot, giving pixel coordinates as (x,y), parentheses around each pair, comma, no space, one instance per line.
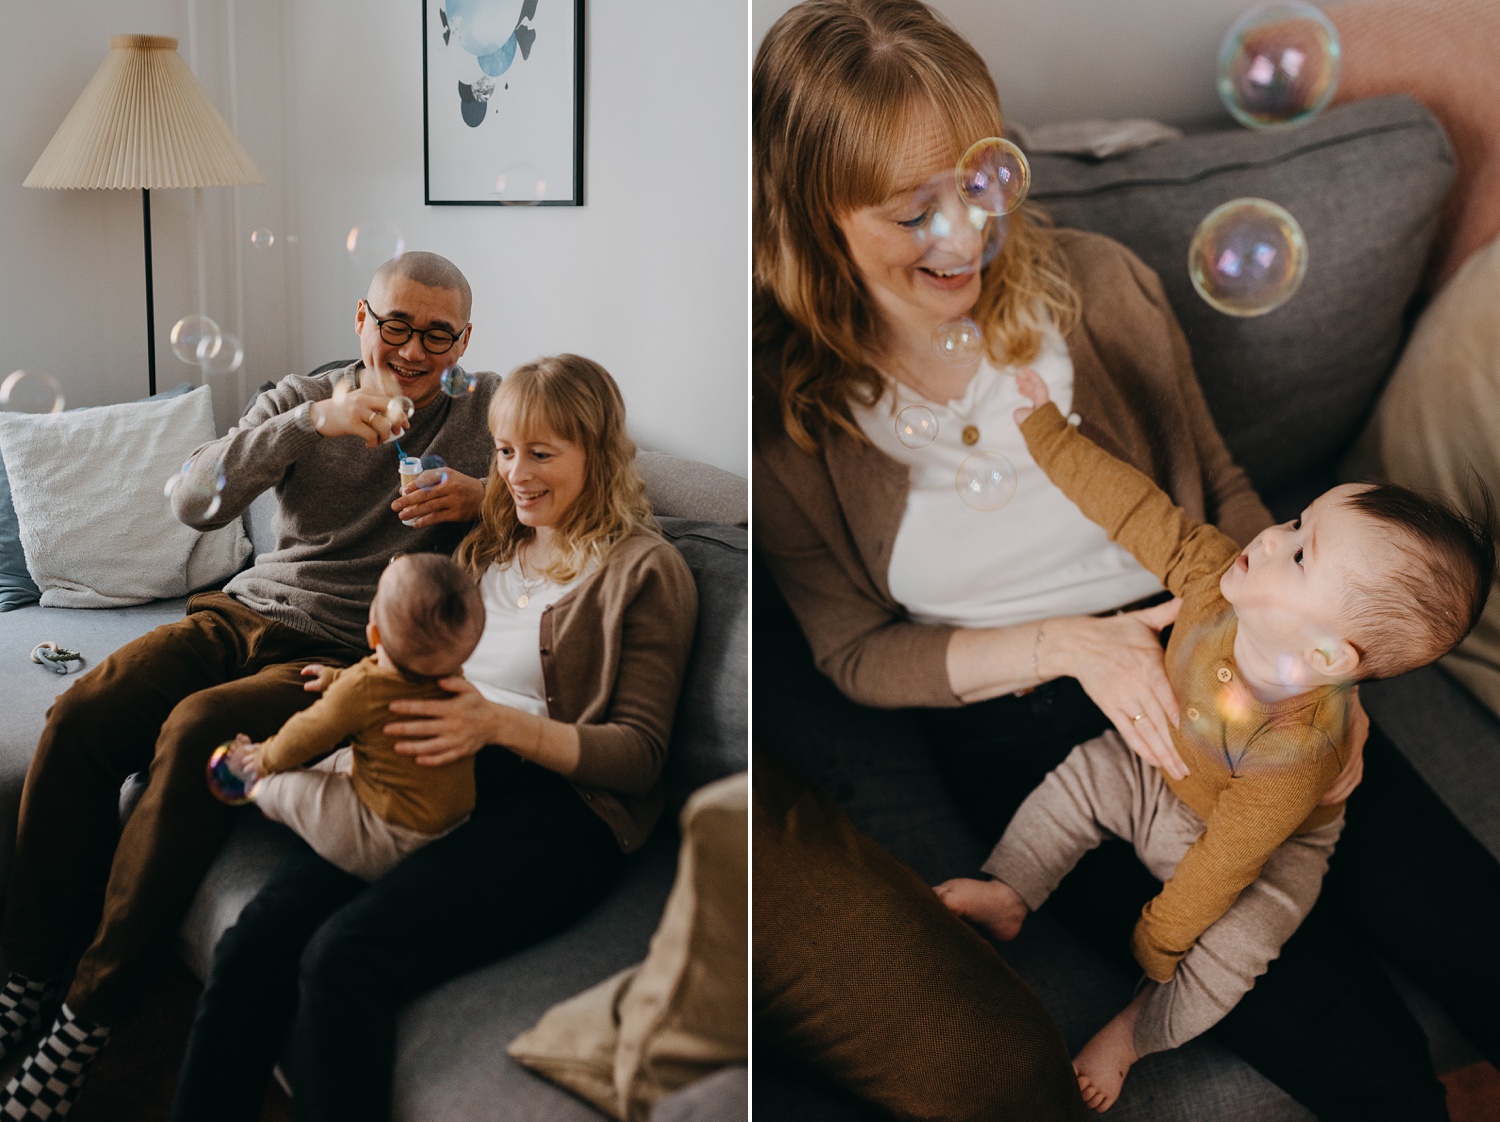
(321,727)
(1254,814)
(1125,502)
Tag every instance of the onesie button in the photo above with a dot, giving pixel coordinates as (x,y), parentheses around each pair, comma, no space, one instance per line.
(1192,714)
(1225,674)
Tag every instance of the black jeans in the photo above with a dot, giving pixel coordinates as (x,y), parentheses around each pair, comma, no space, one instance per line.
(1324,1023)
(337,959)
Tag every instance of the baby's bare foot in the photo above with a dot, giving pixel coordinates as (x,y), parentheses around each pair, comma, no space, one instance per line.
(990,904)
(1105,1060)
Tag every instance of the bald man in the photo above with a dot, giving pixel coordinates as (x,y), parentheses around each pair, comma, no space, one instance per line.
(232,664)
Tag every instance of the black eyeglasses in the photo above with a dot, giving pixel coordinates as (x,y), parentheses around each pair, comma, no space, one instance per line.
(435,340)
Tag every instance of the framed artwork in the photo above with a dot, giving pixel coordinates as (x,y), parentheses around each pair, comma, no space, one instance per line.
(502,101)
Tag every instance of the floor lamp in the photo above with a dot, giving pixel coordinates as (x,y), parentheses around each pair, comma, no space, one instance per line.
(143,121)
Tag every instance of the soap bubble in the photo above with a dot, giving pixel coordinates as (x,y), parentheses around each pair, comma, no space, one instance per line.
(994,176)
(952,227)
(227,784)
(31,391)
(519,183)
(916,426)
(958,340)
(196,338)
(398,412)
(346,385)
(986,481)
(458,382)
(433,462)
(372,244)
(201,494)
(1279,65)
(1248,257)
(225,358)
(262,238)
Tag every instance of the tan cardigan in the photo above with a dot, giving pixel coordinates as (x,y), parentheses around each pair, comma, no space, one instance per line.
(1256,769)
(354,708)
(614,652)
(827,522)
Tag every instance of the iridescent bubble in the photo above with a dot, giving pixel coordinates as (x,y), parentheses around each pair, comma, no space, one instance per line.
(434,462)
(227,784)
(985,481)
(346,385)
(227,356)
(1247,257)
(201,493)
(262,238)
(372,244)
(916,426)
(458,382)
(1279,65)
(398,412)
(31,391)
(195,338)
(994,175)
(958,340)
(519,183)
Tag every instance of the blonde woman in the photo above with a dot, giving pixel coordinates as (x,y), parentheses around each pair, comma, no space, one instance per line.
(567,707)
(1018,633)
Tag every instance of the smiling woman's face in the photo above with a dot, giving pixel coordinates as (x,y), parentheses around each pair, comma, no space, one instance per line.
(917,252)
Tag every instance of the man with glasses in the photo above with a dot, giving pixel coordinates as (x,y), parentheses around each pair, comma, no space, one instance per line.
(326,444)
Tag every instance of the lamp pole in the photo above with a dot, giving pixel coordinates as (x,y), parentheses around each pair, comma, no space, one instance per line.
(150,306)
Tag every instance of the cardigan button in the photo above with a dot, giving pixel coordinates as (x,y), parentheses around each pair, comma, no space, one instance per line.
(1192,713)
(1074,419)
(1225,674)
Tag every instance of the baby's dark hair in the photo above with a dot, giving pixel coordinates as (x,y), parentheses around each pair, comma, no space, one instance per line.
(431,616)
(1421,612)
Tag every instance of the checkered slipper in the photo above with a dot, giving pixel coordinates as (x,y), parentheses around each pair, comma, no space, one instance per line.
(50,1078)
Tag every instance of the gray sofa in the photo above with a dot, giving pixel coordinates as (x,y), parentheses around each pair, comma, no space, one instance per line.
(451,1060)
(1289,391)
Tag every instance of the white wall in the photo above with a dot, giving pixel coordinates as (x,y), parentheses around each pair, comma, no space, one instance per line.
(650,277)
(1067,59)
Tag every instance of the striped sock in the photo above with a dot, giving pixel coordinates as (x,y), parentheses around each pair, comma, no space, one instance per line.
(25,1006)
(50,1078)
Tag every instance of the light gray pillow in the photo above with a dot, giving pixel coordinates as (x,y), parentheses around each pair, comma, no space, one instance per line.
(1290,389)
(95,526)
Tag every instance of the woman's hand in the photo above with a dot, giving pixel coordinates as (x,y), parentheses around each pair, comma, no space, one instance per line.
(1119,662)
(1354,769)
(318,675)
(450,729)
(439,495)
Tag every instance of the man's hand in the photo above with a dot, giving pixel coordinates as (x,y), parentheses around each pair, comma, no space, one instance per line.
(439,495)
(360,413)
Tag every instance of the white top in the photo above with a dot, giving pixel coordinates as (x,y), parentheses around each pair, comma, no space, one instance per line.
(506,666)
(1035,557)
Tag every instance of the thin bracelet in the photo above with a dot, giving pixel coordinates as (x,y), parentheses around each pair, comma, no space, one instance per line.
(1036,646)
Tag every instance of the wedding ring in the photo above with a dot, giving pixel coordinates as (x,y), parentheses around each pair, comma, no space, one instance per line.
(1138,717)
(371,420)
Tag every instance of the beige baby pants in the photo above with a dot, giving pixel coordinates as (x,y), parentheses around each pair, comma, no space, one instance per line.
(320,804)
(1104,789)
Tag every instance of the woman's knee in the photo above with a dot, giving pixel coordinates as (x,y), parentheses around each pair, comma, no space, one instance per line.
(342,962)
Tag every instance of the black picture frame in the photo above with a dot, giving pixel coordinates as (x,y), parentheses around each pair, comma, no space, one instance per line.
(531,154)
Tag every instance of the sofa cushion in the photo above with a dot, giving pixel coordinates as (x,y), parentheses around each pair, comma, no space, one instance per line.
(1288,389)
(724,1097)
(87,491)
(1442,52)
(711,732)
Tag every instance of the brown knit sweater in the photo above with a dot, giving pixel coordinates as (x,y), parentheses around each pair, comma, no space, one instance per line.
(1257,769)
(354,708)
(826,522)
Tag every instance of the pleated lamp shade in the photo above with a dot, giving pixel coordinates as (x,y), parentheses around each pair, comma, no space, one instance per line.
(143,121)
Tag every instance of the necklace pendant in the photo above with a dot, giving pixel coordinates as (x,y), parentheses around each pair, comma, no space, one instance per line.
(522,600)
(971,435)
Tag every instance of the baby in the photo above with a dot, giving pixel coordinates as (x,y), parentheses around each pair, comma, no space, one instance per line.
(1370,582)
(366,807)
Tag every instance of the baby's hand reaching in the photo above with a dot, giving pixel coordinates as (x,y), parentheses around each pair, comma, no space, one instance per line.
(1033,388)
(319,676)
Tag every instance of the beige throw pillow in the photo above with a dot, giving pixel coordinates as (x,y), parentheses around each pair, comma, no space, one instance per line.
(1437,428)
(681,1014)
